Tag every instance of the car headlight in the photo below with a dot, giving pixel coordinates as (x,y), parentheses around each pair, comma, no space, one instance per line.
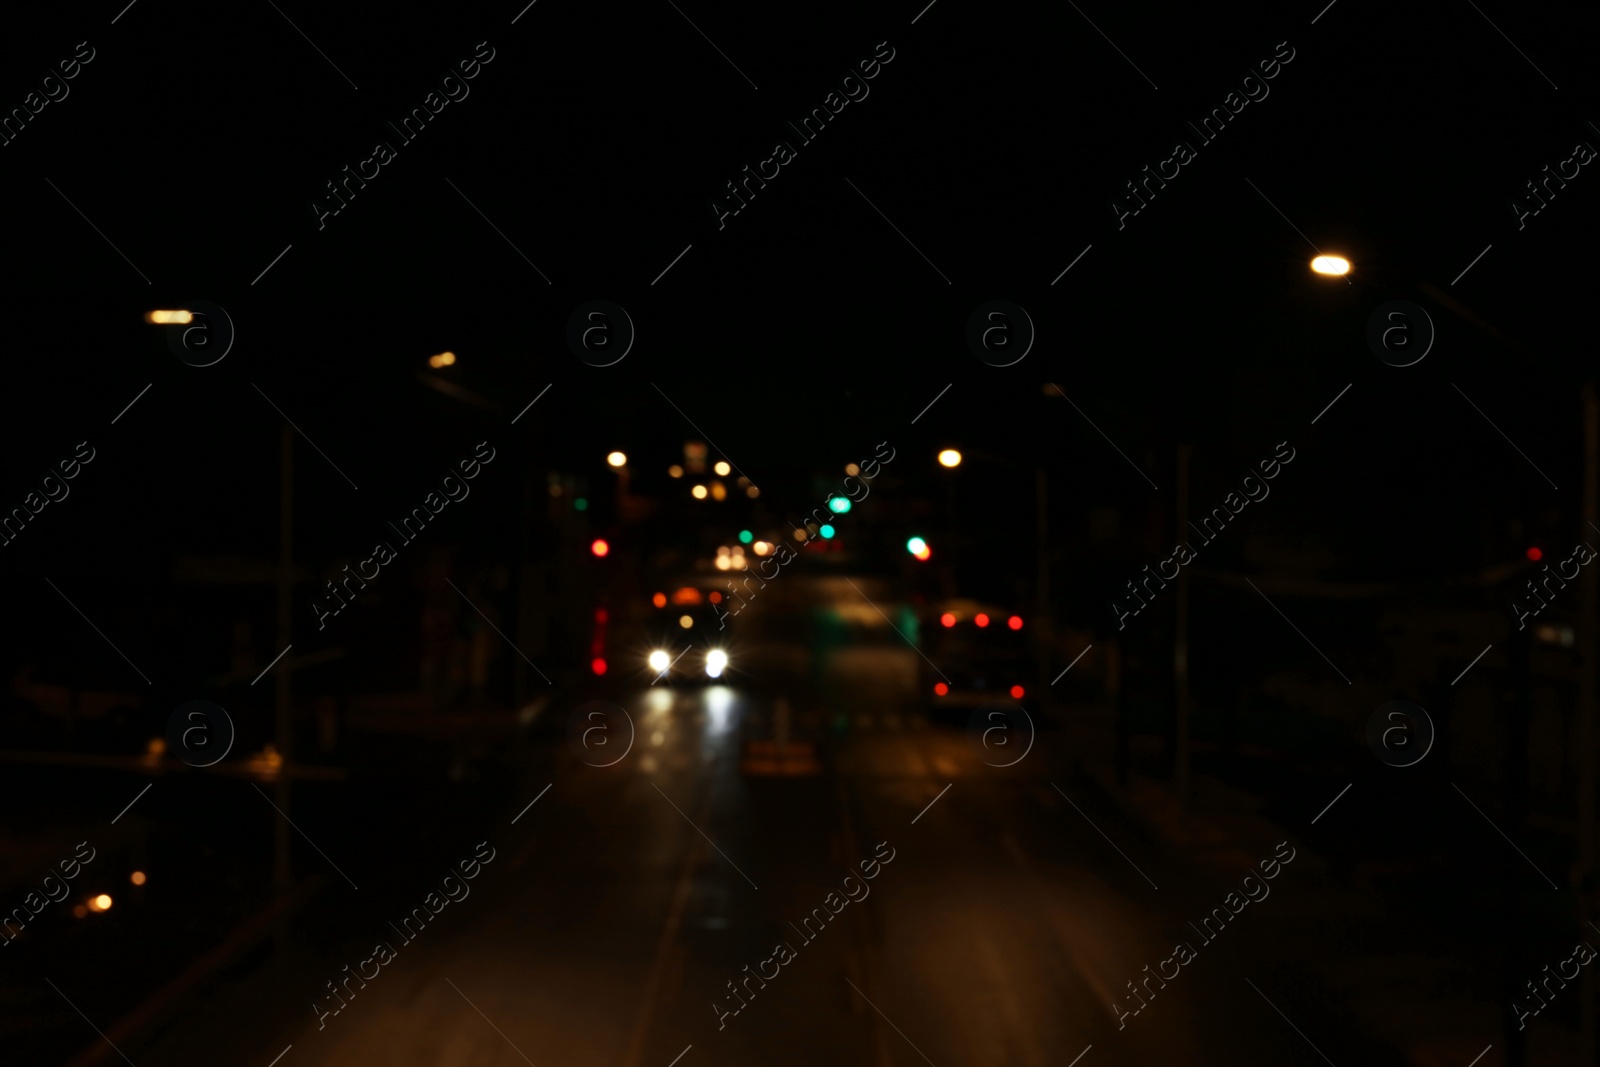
(659,661)
(716,661)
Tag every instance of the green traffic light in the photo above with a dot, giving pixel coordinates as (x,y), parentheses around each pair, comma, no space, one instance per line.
(580,504)
(839,505)
(745,537)
(916,546)
(826,532)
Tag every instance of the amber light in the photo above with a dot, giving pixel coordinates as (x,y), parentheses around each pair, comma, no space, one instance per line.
(659,600)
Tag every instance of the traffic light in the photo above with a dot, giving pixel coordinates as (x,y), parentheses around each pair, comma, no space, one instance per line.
(745,537)
(918,548)
(599,548)
(839,505)
(826,532)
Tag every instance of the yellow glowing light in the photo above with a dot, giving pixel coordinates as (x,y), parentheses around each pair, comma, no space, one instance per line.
(685,621)
(137,878)
(1334,265)
(950,458)
(719,491)
(168,318)
(675,471)
(722,550)
(800,535)
(617,459)
(443,359)
(851,469)
(723,563)
(752,492)
(762,548)
(698,492)
(100,903)
(722,468)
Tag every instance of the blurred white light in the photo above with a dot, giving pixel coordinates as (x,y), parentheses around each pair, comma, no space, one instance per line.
(1331,265)
(659,661)
(617,459)
(722,468)
(716,662)
(699,492)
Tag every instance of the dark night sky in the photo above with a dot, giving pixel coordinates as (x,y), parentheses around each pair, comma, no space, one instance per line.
(808,329)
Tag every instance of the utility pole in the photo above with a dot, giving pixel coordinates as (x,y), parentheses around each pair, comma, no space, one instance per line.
(281,874)
(1586,711)
(1180,641)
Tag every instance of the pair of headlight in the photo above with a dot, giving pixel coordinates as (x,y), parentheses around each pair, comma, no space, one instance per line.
(716,662)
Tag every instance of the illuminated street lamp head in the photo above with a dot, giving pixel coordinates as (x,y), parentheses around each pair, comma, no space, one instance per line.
(168,318)
(617,459)
(722,468)
(1335,266)
(443,359)
(950,458)
(698,492)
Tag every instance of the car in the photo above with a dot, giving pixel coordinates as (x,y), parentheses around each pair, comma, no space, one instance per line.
(979,655)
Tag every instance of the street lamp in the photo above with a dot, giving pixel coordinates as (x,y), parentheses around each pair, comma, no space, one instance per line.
(443,359)
(1334,266)
(617,459)
(950,458)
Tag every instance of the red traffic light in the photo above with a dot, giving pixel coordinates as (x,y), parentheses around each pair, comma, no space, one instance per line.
(1535,554)
(599,547)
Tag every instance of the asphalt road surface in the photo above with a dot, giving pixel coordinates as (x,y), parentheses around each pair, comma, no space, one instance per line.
(1010,916)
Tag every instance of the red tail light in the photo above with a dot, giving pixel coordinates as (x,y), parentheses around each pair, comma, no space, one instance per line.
(981,619)
(940,689)
(1016,692)
(598,666)
(947,619)
(1015,622)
